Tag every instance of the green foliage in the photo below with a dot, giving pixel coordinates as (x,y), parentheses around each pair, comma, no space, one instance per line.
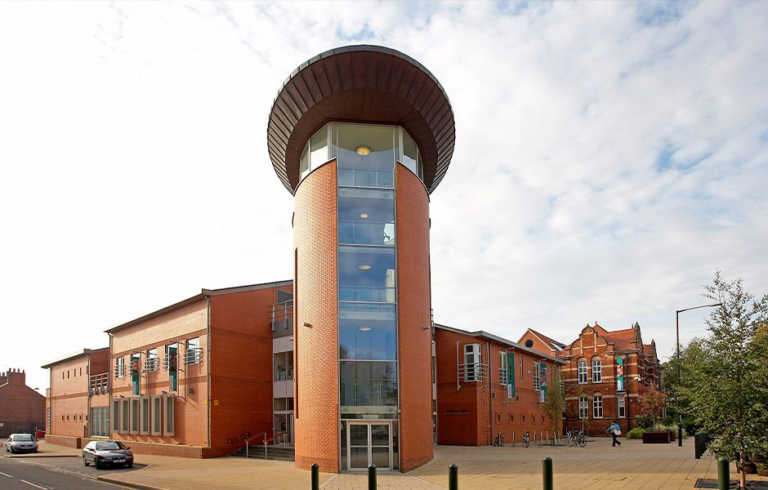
(553,407)
(652,403)
(645,422)
(725,375)
(636,433)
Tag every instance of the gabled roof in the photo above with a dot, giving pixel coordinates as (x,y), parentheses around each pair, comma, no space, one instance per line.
(72,355)
(621,339)
(557,346)
(204,293)
(501,340)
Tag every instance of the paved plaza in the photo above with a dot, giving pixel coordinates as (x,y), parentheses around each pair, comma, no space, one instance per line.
(632,466)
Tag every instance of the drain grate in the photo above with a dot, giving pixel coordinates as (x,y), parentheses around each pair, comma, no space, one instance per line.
(751,485)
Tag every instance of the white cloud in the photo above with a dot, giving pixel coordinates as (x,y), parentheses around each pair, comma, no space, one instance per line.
(610,156)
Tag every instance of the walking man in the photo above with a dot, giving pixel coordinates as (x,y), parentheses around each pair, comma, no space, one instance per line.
(615,431)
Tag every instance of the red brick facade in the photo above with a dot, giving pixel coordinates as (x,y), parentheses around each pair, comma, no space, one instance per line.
(414,312)
(641,368)
(22,409)
(474,413)
(316,346)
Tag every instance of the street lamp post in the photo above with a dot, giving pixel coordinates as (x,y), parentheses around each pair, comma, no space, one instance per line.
(679,379)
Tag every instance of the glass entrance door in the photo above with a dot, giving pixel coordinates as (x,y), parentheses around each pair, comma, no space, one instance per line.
(369,443)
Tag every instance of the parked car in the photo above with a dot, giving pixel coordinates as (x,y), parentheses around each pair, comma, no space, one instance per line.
(21,443)
(107,453)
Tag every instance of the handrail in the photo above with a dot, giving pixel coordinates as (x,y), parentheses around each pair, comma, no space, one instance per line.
(276,436)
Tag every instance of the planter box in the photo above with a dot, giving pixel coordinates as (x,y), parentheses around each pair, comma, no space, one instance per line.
(658,437)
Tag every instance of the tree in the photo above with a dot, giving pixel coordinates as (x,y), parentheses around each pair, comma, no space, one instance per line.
(725,377)
(652,403)
(553,405)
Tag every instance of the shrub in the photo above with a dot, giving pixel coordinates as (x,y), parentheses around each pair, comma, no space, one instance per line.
(636,433)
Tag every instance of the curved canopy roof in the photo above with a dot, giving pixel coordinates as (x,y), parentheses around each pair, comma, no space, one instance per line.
(368,84)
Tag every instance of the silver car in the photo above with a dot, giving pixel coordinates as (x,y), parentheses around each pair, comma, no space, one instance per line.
(21,443)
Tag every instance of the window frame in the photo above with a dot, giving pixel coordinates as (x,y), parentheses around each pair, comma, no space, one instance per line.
(536,377)
(597,407)
(169,415)
(583,407)
(135,418)
(476,375)
(597,370)
(621,407)
(155,405)
(582,375)
(144,415)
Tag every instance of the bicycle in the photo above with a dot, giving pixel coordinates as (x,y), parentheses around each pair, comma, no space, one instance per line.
(576,437)
(526,439)
(499,440)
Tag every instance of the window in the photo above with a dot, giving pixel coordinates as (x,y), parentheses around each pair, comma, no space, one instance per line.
(144,416)
(170,414)
(81,371)
(597,371)
(472,367)
(135,415)
(367,274)
(367,331)
(283,362)
(171,364)
(194,353)
(622,410)
(536,377)
(152,362)
(67,373)
(374,226)
(136,377)
(583,407)
(125,410)
(155,413)
(48,418)
(582,371)
(115,415)
(597,407)
(620,374)
(543,382)
(511,418)
(507,372)
(119,367)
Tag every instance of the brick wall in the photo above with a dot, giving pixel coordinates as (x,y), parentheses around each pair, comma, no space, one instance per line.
(68,397)
(316,348)
(21,407)
(414,314)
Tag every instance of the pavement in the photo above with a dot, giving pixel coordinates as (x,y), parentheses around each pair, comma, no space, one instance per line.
(633,466)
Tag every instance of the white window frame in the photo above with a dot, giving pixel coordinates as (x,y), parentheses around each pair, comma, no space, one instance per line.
(156,414)
(597,370)
(115,424)
(536,377)
(473,357)
(120,367)
(583,407)
(581,370)
(135,415)
(503,368)
(169,415)
(151,361)
(125,411)
(144,416)
(597,407)
(621,407)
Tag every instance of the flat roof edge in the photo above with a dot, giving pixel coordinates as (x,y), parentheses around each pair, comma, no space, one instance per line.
(70,356)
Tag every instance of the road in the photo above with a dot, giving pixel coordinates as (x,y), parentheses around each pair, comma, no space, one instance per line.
(50,473)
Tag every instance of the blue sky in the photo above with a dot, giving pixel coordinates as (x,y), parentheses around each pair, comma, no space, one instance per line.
(610,157)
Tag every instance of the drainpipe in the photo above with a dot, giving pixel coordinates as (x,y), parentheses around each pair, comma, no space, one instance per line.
(208,364)
(490,387)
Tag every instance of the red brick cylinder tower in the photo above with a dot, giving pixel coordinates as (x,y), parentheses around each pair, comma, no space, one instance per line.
(361,136)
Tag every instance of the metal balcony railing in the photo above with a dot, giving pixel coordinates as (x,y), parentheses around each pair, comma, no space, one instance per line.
(151,364)
(99,384)
(503,376)
(170,361)
(472,372)
(193,355)
(119,370)
(282,315)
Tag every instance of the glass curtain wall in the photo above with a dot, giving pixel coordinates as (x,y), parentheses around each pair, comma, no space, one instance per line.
(367,279)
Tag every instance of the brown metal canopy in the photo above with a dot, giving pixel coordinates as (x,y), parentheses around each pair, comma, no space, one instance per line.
(369,84)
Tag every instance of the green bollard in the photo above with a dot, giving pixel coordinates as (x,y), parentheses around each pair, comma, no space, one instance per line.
(372,477)
(723,474)
(315,476)
(453,477)
(546,467)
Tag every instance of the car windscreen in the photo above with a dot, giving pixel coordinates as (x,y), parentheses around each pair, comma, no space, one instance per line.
(22,437)
(108,446)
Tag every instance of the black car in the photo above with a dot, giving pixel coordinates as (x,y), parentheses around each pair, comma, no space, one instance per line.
(107,453)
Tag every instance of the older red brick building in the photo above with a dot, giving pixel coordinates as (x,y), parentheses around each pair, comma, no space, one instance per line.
(22,409)
(606,375)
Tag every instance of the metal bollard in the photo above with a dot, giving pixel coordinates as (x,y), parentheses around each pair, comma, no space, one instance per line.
(372,477)
(453,477)
(514,436)
(546,467)
(723,474)
(315,476)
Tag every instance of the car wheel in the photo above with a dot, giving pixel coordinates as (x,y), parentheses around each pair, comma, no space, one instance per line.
(129,465)
(97,465)
(85,461)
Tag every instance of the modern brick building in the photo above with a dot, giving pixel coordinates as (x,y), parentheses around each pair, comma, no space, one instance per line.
(606,375)
(540,342)
(360,136)
(77,403)
(22,409)
(487,385)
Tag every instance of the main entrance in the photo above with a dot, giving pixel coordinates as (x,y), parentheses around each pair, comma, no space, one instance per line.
(369,443)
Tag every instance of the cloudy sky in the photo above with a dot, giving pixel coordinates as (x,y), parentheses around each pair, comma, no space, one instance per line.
(610,157)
